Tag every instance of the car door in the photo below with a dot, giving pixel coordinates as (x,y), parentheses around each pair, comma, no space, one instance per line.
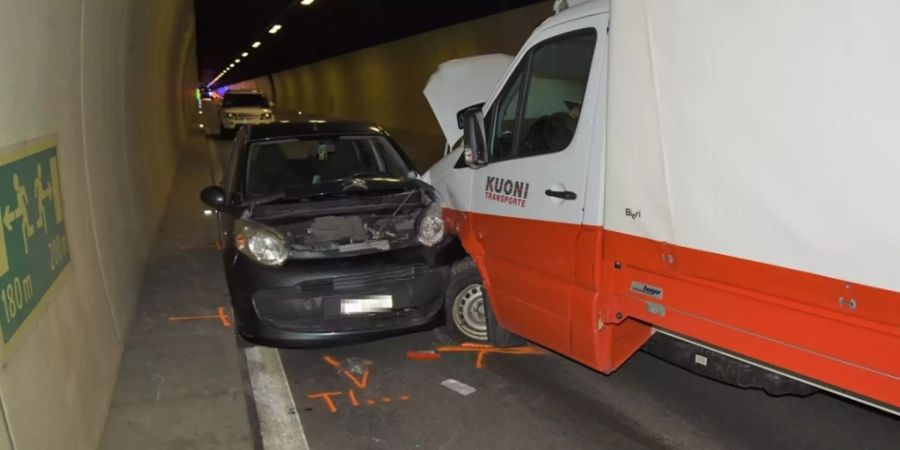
(529,199)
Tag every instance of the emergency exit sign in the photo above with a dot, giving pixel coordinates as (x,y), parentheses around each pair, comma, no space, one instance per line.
(34,249)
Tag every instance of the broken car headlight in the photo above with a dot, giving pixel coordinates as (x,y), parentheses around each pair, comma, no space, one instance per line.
(431,225)
(261,243)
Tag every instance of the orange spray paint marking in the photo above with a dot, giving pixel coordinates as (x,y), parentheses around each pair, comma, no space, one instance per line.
(423,356)
(386,399)
(220,315)
(352,396)
(224,317)
(482,350)
(331,361)
(474,345)
(326,397)
(479,361)
(174,318)
(404,397)
(359,383)
(370,402)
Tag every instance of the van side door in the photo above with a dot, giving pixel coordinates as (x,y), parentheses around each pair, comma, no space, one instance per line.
(528,201)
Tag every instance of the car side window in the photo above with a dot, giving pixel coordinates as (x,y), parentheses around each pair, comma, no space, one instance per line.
(538,112)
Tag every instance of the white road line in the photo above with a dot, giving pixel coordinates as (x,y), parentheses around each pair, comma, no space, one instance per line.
(279,421)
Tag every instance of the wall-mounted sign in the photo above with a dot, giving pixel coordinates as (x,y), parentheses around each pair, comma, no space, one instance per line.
(34,249)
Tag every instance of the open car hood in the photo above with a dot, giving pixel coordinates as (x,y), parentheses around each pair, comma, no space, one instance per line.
(459,83)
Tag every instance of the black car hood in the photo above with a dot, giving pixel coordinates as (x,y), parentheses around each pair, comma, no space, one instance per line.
(351,195)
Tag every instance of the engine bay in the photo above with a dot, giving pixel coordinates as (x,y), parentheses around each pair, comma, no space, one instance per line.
(352,234)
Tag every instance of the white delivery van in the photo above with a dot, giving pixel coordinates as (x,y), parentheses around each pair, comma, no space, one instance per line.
(714,181)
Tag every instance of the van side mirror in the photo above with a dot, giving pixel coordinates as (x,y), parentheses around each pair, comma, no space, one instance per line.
(474,146)
(213,196)
(460,116)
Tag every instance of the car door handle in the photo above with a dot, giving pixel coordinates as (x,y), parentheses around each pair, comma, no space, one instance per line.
(565,195)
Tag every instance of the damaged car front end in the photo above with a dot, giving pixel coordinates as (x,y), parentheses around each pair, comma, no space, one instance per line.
(328,235)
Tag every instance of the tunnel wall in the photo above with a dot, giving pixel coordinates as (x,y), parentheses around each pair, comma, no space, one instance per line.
(111,80)
(384,83)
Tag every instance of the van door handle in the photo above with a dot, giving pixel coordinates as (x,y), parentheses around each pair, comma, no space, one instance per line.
(565,195)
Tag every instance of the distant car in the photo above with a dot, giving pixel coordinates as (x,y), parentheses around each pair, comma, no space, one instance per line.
(244,108)
(328,235)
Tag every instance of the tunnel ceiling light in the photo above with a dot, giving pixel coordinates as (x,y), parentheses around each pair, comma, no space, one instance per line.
(306,2)
(274,29)
(244,55)
(230,66)
(256,44)
(237,60)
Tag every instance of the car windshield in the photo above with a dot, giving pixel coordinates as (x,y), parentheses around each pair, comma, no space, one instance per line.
(274,167)
(245,100)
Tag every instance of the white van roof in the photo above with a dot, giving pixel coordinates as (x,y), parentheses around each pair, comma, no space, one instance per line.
(566,10)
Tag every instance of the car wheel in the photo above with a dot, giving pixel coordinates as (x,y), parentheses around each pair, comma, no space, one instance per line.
(468,310)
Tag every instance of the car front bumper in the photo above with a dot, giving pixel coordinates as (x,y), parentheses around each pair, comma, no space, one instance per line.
(299,303)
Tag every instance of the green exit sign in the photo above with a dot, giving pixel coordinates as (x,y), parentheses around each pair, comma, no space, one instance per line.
(34,249)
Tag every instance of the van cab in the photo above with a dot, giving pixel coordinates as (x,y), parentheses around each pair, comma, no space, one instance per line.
(696,172)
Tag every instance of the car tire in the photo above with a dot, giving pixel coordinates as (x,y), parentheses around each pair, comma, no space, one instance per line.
(467,309)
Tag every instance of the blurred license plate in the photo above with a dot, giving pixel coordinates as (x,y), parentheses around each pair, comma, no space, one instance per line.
(367,304)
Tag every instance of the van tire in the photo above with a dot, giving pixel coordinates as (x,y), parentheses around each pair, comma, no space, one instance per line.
(497,335)
(463,303)
(466,298)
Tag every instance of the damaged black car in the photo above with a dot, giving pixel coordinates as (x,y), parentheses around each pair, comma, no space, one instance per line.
(327,235)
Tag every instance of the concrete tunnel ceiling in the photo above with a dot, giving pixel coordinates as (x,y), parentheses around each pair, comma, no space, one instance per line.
(317,31)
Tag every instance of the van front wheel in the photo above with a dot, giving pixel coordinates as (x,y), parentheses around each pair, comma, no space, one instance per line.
(467,308)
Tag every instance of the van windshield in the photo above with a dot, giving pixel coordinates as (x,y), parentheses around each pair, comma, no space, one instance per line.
(245,100)
(274,167)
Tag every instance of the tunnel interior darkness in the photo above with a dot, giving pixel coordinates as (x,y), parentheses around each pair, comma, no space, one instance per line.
(317,31)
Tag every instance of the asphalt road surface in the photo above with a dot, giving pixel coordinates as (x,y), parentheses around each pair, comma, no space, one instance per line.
(547,401)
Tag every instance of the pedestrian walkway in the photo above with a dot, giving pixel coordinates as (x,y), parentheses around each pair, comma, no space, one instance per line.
(181,384)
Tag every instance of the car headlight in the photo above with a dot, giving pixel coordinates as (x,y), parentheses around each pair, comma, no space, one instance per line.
(267,115)
(262,244)
(431,225)
(230,115)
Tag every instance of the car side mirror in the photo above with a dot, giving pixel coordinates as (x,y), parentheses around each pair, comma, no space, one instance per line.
(213,196)
(474,146)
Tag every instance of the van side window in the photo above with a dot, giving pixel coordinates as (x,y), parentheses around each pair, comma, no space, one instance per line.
(503,118)
(552,79)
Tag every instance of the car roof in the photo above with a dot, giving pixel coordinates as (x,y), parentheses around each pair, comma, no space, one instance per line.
(312,127)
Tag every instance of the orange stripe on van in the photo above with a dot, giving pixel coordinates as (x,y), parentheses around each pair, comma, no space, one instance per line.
(802,323)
